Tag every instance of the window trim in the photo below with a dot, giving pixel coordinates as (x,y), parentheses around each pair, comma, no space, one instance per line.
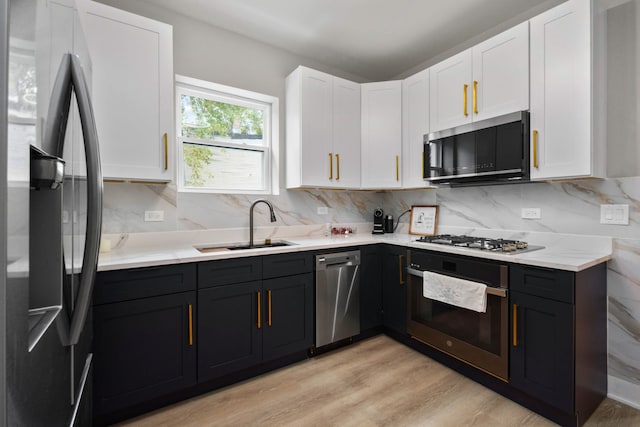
(189,85)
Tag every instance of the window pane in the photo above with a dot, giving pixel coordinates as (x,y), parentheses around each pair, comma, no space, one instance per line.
(223,168)
(220,121)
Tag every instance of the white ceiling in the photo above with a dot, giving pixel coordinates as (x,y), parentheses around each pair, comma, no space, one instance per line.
(375,39)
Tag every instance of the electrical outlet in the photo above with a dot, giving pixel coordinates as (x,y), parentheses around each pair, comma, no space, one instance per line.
(530,213)
(323,210)
(614,214)
(153,216)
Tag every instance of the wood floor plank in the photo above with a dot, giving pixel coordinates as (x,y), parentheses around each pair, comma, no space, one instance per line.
(376,382)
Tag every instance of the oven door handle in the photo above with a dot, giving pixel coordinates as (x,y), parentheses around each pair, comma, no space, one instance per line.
(500,292)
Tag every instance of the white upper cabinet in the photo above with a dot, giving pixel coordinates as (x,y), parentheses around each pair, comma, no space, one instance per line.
(561,82)
(488,80)
(132,93)
(323,130)
(501,74)
(450,102)
(415,124)
(381,134)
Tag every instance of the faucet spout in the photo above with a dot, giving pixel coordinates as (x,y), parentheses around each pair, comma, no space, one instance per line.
(271,212)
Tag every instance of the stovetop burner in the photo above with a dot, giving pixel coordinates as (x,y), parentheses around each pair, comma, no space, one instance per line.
(482,243)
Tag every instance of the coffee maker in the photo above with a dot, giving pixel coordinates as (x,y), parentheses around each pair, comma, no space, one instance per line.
(378,221)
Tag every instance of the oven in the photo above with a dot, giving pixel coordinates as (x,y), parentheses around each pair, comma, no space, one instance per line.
(477,338)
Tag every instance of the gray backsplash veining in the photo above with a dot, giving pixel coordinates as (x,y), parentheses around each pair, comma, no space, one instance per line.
(566,207)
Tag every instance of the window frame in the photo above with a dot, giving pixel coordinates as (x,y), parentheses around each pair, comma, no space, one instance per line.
(222,93)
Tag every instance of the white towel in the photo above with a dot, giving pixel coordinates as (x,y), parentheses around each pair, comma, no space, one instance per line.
(454,291)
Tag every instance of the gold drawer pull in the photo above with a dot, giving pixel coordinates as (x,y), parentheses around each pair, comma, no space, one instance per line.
(535,149)
(515,325)
(330,165)
(259,311)
(475,96)
(190,324)
(269,312)
(166,151)
(464,97)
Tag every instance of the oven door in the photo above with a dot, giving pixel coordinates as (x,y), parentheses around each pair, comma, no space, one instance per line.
(479,339)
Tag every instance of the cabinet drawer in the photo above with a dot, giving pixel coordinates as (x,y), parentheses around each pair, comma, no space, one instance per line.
(286,264)
(124,285)
(546,283)
(228,271)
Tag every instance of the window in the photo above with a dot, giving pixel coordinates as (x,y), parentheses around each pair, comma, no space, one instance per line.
(227,139)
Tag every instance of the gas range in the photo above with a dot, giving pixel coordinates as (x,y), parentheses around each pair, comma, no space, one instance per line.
(481,243)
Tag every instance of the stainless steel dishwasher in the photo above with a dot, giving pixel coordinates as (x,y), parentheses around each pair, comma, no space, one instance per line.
(337,296)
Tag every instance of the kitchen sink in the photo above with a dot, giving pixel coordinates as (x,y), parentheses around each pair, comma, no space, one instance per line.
(242,246)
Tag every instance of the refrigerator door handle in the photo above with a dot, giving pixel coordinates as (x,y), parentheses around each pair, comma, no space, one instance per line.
(94,201)
(71,74)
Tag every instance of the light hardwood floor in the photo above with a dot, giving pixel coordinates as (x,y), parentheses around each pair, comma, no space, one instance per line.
(376,382)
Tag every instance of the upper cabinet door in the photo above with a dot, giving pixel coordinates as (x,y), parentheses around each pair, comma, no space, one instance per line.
(323,130)
(415,124)
(346,133)
(501,74)
(381,134)
(561,143)
(451,92)
(315,127)
(132,93)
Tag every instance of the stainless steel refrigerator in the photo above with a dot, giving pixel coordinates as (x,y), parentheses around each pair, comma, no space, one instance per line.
(51,213)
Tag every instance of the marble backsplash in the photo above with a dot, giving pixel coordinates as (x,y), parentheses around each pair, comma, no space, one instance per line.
(566,207)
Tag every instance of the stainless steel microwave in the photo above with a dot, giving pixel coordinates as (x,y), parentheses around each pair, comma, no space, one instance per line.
(487,152)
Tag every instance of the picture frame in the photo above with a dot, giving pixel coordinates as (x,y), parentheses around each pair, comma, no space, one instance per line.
(424,220)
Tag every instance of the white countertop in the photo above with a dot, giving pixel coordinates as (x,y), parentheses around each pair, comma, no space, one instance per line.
(562,251)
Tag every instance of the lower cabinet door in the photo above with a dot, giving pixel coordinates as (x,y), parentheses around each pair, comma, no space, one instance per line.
(394,288)
(143,349)
(288,315)
(229,329)
(370,287)
(542,350)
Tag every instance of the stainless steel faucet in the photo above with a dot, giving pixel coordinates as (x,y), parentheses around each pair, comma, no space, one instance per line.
(273,217)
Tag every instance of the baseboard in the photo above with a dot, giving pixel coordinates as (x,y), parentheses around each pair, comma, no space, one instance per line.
(624,391)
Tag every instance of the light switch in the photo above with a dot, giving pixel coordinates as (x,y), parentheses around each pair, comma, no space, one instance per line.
(614,214)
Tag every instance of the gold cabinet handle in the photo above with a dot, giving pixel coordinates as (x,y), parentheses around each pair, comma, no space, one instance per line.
(166,151)
(535,149)
(475,96)
(330,165)
(190,324)
(515,325)
(464,97)
(338,166)
(259,311)
(400,261)
(397,168)
(269,311)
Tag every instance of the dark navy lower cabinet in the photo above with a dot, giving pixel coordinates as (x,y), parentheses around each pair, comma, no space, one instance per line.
(542,350)
(144,348)
(229,338)
(288,315)
(370,287)
(245,324)
(558,339)
(394,288)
